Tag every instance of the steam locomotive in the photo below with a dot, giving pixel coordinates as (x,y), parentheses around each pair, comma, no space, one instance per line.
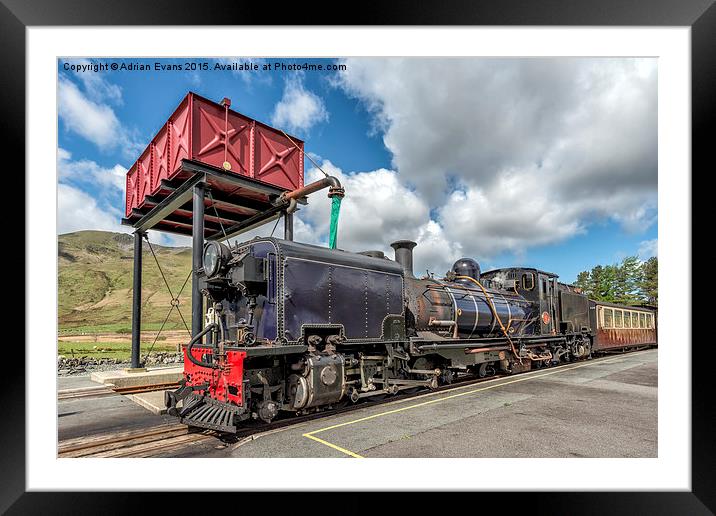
(300,328)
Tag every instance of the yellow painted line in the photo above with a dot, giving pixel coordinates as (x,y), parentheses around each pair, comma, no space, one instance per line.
(335,447)
(311,435)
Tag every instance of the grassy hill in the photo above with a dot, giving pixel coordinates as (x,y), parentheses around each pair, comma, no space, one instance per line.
(95,283)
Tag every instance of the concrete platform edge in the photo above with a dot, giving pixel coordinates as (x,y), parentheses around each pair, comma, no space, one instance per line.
(121,379)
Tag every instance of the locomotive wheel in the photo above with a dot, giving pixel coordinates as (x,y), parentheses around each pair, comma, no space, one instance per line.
(482,371)
(425,364)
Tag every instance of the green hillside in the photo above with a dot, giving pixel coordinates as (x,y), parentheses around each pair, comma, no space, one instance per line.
(95,283)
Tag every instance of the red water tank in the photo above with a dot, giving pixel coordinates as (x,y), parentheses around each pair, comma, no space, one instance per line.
(211,133)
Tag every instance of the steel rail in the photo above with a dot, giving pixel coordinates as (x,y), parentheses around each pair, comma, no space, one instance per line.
(104,390)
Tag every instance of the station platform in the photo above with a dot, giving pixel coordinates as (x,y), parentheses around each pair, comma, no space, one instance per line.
(600,408)
(597,408)
(123,378)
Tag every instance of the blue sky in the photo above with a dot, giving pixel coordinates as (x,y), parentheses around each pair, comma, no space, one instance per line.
(541,163)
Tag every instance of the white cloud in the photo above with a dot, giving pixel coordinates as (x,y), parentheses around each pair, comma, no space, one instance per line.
(89,196)
(648,248)
(93,120)
(89,172)
(368,218)
(512,153)
(520,210)
(97,88)
(77,210)
(299,109)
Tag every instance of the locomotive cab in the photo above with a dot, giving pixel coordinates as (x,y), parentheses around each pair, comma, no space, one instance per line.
(536,286)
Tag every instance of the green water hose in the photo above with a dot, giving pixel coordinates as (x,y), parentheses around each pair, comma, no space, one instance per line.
(335,211)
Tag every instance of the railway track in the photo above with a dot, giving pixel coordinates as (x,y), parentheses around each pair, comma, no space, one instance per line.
(163,439)
(131,443)
(105,390)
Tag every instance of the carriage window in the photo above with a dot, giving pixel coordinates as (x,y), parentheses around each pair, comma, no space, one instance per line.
(634,319)
(617,318)
(648,321)
(528,281)
(608,317)
(627,319)
(642,320)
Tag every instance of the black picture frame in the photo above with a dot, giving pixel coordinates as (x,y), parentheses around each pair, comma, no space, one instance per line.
(16,15)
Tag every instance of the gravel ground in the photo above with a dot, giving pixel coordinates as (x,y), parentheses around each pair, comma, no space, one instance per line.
(83,365)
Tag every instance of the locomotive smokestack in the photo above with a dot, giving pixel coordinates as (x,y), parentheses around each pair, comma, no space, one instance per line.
(404,255)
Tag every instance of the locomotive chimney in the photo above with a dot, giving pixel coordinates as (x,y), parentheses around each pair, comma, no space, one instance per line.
(404,255)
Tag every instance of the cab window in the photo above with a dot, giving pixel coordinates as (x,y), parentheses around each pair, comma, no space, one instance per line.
(528,281)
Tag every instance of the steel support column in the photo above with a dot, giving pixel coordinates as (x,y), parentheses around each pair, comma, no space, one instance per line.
(288,226)
(137,298)
(197,232)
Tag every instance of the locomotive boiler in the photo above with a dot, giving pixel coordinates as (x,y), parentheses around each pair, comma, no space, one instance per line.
(295,327)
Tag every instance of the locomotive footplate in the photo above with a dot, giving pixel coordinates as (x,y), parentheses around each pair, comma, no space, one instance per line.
(205,412)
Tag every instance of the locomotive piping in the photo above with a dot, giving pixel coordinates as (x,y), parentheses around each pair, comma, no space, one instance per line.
(328,181)
(494,311)
(196,339)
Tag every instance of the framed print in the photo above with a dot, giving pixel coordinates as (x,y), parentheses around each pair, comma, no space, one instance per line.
(237,235)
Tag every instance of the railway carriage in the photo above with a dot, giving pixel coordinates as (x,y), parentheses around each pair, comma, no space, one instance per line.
(619,327)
